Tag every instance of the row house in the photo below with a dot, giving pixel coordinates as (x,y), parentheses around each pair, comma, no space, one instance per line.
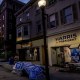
(8,22)
(29,40)
(63,32)
(62,26)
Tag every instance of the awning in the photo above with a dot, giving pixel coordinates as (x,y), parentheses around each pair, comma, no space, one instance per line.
(74,45)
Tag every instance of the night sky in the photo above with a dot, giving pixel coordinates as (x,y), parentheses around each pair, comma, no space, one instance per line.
(25,1)
(0,1)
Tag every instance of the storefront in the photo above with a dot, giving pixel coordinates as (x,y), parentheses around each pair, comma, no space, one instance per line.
(38,48)
(64,47)
(31,51)
(24,50)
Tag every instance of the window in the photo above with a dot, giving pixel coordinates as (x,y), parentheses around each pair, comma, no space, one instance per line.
(27,15)
(0,29)
(20,19)
(39,28)
(69,14)
(25,30)
(10,36)
(52,2)
(37,10)
(10,16)
(19,31)
(3,25)
(10,26)
(3,17)
(53,20)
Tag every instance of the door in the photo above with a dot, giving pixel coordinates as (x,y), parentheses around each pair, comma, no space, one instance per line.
(56,55)
(59,54)
(22,54)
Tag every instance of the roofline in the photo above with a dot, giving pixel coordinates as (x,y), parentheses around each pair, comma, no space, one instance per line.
(13,1)
(25,6)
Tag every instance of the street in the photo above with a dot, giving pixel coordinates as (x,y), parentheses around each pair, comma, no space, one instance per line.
(56,75)
(7,75)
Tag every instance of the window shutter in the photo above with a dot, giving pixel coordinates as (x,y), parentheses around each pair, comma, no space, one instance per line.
(75,12)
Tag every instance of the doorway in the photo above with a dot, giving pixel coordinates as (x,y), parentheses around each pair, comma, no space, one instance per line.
(57,55)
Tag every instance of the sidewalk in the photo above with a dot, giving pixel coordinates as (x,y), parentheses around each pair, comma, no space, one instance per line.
(54,73)
(8,67)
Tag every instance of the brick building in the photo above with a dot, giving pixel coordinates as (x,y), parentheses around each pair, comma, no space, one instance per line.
(8,22)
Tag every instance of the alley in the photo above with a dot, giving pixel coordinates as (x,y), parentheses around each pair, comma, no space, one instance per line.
(7,75)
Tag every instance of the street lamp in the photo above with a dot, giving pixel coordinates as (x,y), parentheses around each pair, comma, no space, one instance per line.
(42,4)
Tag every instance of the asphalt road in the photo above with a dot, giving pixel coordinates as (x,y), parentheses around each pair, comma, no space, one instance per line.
(7,75)
(56,75)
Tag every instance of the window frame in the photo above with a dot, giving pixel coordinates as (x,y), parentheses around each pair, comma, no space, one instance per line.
(38,23)
(27,26)
(74,14)
(68,15)
(56,20)
(52,2)
(19,32)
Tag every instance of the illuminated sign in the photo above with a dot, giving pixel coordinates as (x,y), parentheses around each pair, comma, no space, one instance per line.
(64,38)
(27,45)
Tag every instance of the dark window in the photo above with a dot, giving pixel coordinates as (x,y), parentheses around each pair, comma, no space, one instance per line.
(25,30)
(10,27)
(52,1)
(27,15)
(37,10)
(39,27)
(10,16)
(19,30)
(53,20)
(69,14)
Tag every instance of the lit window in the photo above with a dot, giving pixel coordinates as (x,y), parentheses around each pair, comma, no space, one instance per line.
(3,25)
(20,19)
(3,17)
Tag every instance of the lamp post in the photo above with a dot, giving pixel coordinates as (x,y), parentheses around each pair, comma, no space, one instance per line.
(42,4)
